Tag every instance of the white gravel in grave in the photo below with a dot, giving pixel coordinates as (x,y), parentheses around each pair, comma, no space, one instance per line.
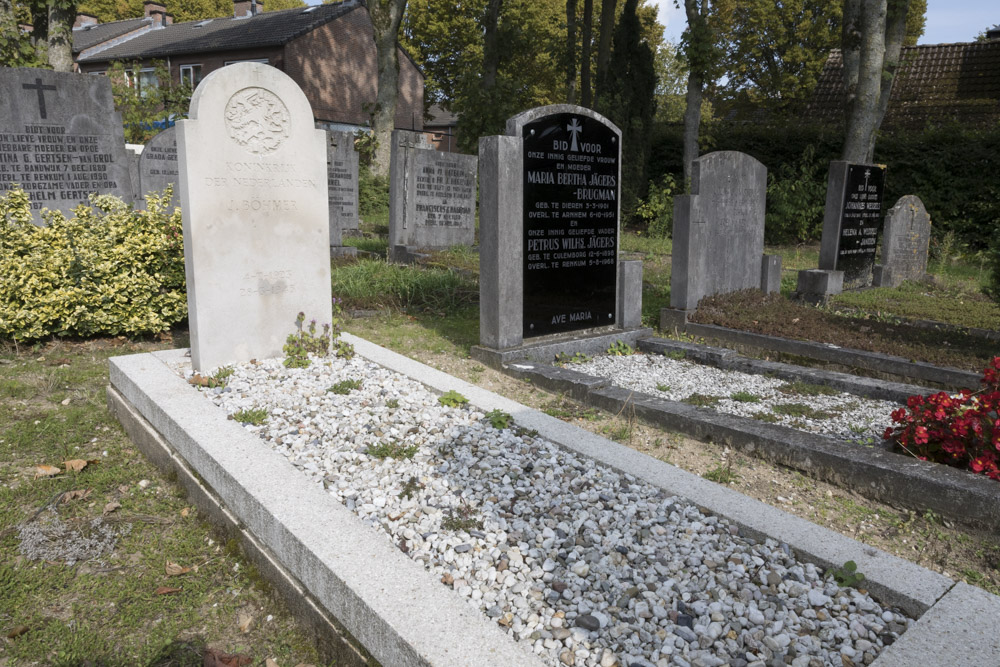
(851,418)
(590,566)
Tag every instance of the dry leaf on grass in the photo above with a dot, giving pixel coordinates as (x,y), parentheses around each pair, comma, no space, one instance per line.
(75,464)
(174,570)
(46,471)
(185,512)
(111,507)
(79,494)
(216,658)
(65,401)
(166,590)
(245,621)
(270,662)
(17,631)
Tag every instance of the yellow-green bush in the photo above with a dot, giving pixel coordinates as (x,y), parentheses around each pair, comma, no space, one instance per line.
(107,270)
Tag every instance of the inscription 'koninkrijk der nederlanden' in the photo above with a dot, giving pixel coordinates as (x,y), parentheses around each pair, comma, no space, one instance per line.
(243,174)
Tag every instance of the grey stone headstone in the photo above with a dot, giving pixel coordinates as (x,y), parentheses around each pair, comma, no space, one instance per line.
(158,164)
(60,138)
(851,221)
(342,181)
(432,200)
(905,241)
(256,217)
(719,229)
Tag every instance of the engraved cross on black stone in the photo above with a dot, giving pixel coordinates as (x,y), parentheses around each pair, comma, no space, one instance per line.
(41,94)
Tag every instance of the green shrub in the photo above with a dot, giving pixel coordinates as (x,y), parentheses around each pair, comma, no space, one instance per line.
(992,286)
(373,194)
(657,209)
(796,198)
(108,270)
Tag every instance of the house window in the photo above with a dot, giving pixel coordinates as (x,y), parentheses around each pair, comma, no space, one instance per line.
(248,60)
(191,75)
(145,79)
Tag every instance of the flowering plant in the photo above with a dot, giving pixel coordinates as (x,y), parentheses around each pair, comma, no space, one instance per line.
(961,430)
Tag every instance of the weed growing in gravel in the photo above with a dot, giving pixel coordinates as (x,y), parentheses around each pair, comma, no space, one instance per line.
(499,419)
(298,345)
(452,399)
(567,410)
(392,450)
(676,355)
(663,387)
(620,349)
(392,403)
(216,379)
(701,400)
(344,387)
(410,487)
(461,518)
(764,416)
(722,474)
(807,389)
(745,397)
(576,358)
(800,410)
(848,576)
(252,416)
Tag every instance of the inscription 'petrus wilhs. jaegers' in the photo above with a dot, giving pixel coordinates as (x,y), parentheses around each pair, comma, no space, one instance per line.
(571,193)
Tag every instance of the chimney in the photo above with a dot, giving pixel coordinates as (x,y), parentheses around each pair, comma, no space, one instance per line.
(244,8)
(85,20)
(157,11)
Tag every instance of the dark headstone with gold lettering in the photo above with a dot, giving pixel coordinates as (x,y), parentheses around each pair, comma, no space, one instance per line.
(852,221)
(60,138)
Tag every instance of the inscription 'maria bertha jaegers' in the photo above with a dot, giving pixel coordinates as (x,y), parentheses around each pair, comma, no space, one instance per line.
(571,195)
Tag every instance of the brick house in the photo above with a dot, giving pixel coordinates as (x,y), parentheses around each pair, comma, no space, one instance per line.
(329,50)
(935,84)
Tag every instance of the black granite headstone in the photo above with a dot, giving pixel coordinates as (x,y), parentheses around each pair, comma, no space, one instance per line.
(852,221)
(60,138)
(571,193)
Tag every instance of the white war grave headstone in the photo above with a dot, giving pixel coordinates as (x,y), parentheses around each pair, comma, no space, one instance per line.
(256,217)
(60,139)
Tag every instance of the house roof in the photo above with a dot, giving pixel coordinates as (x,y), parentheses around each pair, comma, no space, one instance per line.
(935,83)
(440,117)
(224,34)
(91,35)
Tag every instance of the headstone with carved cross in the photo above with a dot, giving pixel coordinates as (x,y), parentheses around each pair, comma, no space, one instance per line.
(60,139)
(342,186)
(852,221)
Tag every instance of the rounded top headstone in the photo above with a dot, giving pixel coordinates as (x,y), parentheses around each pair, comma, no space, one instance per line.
(515,123)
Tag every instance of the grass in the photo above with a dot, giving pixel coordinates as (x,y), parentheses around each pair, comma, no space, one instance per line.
(252,416)
(109,612)
(701,400)
(800,410)
(745,397)
(807,389)
(375,284)
(722,474)
(377,246)
(955,302)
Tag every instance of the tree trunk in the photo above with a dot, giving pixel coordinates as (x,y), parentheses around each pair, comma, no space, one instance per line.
(491,45)
(570,51)
(895,34)
(386,16)
(696,16)
(604,44)
(585,87)
(62,14)
(862,121)
(850,51)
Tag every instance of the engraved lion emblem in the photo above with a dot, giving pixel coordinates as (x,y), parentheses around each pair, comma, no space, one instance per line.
(257,120)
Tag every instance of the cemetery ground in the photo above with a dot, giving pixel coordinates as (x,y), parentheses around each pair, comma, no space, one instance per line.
(52,410)
(147,584)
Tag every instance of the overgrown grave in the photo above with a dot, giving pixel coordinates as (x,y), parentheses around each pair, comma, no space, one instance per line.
(253,177)
(550,277)
(60,139)
(432,198)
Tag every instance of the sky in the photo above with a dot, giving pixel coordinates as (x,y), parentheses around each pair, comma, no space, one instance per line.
(948,21)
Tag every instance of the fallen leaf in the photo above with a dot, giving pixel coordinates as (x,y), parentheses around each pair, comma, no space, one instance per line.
(65,401)
(795,321)
(46,471)
(244,622)
(215,658)
(174,570)
(111,507)
(166,590)
(17,631)
(198,380)
(79,494)
(270,662)
(75,464)
(185,512)
(123,489)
